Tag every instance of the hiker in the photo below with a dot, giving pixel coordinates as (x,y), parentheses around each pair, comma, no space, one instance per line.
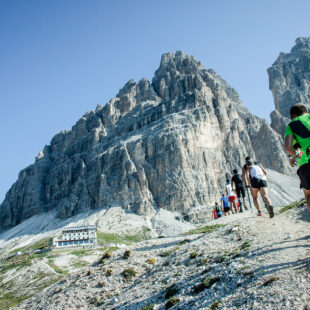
(256,177)
(214,213)
(298,132)
(225,205)
(231,196)
(218,210)
(238,184)
(244,169)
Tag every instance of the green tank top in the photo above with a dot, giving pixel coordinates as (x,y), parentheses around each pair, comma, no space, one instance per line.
(299,127)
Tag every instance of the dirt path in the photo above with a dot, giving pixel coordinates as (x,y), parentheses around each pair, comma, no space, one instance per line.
(254,262)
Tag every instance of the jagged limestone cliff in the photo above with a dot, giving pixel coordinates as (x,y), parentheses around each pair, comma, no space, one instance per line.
(166,144)
(289,81)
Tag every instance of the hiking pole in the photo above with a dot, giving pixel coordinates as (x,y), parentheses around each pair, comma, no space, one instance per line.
(247,190)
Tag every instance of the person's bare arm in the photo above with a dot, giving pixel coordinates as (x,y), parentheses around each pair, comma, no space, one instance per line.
(264,170)
(248,176)
(232,184)
(288,145)
(244,177)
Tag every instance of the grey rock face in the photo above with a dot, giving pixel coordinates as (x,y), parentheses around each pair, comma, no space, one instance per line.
(289,81)
(169,144)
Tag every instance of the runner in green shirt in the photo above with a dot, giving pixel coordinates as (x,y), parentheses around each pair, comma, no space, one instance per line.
(298,131)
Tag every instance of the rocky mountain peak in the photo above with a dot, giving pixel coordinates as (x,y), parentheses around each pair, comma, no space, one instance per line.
(177,74)
(289,81)
(179,62)
(167,144)
(301,43)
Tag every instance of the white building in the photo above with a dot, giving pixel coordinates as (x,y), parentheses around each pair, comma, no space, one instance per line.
(77,236)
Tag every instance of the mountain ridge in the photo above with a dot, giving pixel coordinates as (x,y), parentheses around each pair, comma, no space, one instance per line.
(166,144)
(289,82)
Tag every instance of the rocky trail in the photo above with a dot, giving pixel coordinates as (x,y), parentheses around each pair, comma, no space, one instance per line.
(239,262)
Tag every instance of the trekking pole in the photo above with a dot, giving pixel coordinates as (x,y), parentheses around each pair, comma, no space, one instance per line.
(247,190)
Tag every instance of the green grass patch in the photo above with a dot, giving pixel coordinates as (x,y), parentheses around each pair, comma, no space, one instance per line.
(292,205)
(205,229)
(56,268)
(113,248)
(17,262)
(235,253)
(168,252)
(205,284)
(104,238)
(172,302)
(129,273)
(81,253)
(148,307)
(10,296)
(171,291)
(245,245)
(11,299)
(41,244)
(217,304)
(193,254)
(80,264)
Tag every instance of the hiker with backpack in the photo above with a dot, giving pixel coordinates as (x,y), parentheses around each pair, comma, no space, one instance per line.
(297,145)
(238,184)
(256,178)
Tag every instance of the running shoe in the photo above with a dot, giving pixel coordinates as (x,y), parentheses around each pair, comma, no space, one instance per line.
(259,213)
(270,211)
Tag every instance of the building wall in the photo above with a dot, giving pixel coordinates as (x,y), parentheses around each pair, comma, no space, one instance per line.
(77,237)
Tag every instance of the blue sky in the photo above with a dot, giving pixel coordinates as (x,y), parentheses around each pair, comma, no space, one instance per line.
(59,59)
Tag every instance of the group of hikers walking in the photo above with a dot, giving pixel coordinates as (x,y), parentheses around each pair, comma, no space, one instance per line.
(253,176)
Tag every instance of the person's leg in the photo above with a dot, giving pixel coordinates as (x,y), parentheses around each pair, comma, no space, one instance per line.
(243,198)
(235,205)
(231,205)
(254,192)
(264,194)
(307,196)
(304,176)
(244,204)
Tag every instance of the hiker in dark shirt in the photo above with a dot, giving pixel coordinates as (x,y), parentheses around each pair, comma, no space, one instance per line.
(238,184)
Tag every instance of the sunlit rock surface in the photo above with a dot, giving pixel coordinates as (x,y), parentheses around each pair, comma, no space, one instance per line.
(167,144)
(289,81)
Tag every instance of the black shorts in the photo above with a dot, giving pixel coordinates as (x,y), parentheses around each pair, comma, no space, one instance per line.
(226,209)
(258,183)
(240,191)
(304,176)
